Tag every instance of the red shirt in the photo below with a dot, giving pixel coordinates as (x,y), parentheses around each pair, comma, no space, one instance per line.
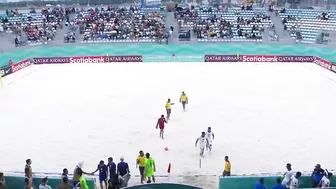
(161,122)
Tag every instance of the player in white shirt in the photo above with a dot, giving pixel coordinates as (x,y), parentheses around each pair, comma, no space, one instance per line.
(288,175)
(294,182)
(325,181)
(210,136)
(202,142)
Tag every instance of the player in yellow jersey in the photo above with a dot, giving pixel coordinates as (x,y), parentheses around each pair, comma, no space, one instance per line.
(168,108)
(183,100)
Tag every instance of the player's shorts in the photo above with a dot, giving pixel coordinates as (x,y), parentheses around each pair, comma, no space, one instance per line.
(168,111)
(184,103)
(149,173)
(102,178)
(226,173)
(76,183)
(142,171)
(161,128)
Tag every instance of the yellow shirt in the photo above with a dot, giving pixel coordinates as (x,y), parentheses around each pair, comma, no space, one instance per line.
(184,98)
(227,167)
(141,161)
(168,106)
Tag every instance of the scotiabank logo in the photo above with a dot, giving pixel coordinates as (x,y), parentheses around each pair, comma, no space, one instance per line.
(325,64)
(251,58)
(20,65)
(88,59)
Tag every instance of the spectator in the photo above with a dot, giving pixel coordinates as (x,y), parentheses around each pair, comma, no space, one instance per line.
(44,184)
(2,181)
(288,175)
(278,184)
(317,175)
(260,184)
(294,182)
(325,181)
(227,168)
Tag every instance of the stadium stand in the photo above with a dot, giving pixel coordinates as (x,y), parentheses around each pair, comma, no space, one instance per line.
(211,25)
(33,28)
(121,25)
(306,25)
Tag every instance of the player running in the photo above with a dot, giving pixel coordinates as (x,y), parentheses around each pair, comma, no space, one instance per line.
(202,142)
(160,123)
(210,136)
(183,100)
(168,108)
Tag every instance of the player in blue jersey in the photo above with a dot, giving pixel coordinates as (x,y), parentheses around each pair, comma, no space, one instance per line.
(102,168)
(112,168)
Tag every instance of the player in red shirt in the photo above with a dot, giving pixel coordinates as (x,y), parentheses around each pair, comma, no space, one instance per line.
(160,123)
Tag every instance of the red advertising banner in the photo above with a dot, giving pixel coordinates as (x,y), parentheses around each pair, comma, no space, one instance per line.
(257,58)
(20,65)
(86,59)
(324,63)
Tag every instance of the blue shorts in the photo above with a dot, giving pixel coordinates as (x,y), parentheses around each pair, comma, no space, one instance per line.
(102,178)
(76,183)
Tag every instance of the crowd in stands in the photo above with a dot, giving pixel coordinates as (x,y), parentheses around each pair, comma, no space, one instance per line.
(210,23)
(306,26)
(34,28)
(120,24)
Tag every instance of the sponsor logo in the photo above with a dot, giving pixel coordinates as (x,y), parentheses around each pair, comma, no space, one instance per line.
(51,60)
(296,58)
(333,68)
(323,63)
(87,59)
(20,65)
(257,58)
(104,59)
(174,58)
(222,58)
(124,58)
(5,71)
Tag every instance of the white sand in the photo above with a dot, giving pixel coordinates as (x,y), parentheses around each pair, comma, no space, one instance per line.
(263,116)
